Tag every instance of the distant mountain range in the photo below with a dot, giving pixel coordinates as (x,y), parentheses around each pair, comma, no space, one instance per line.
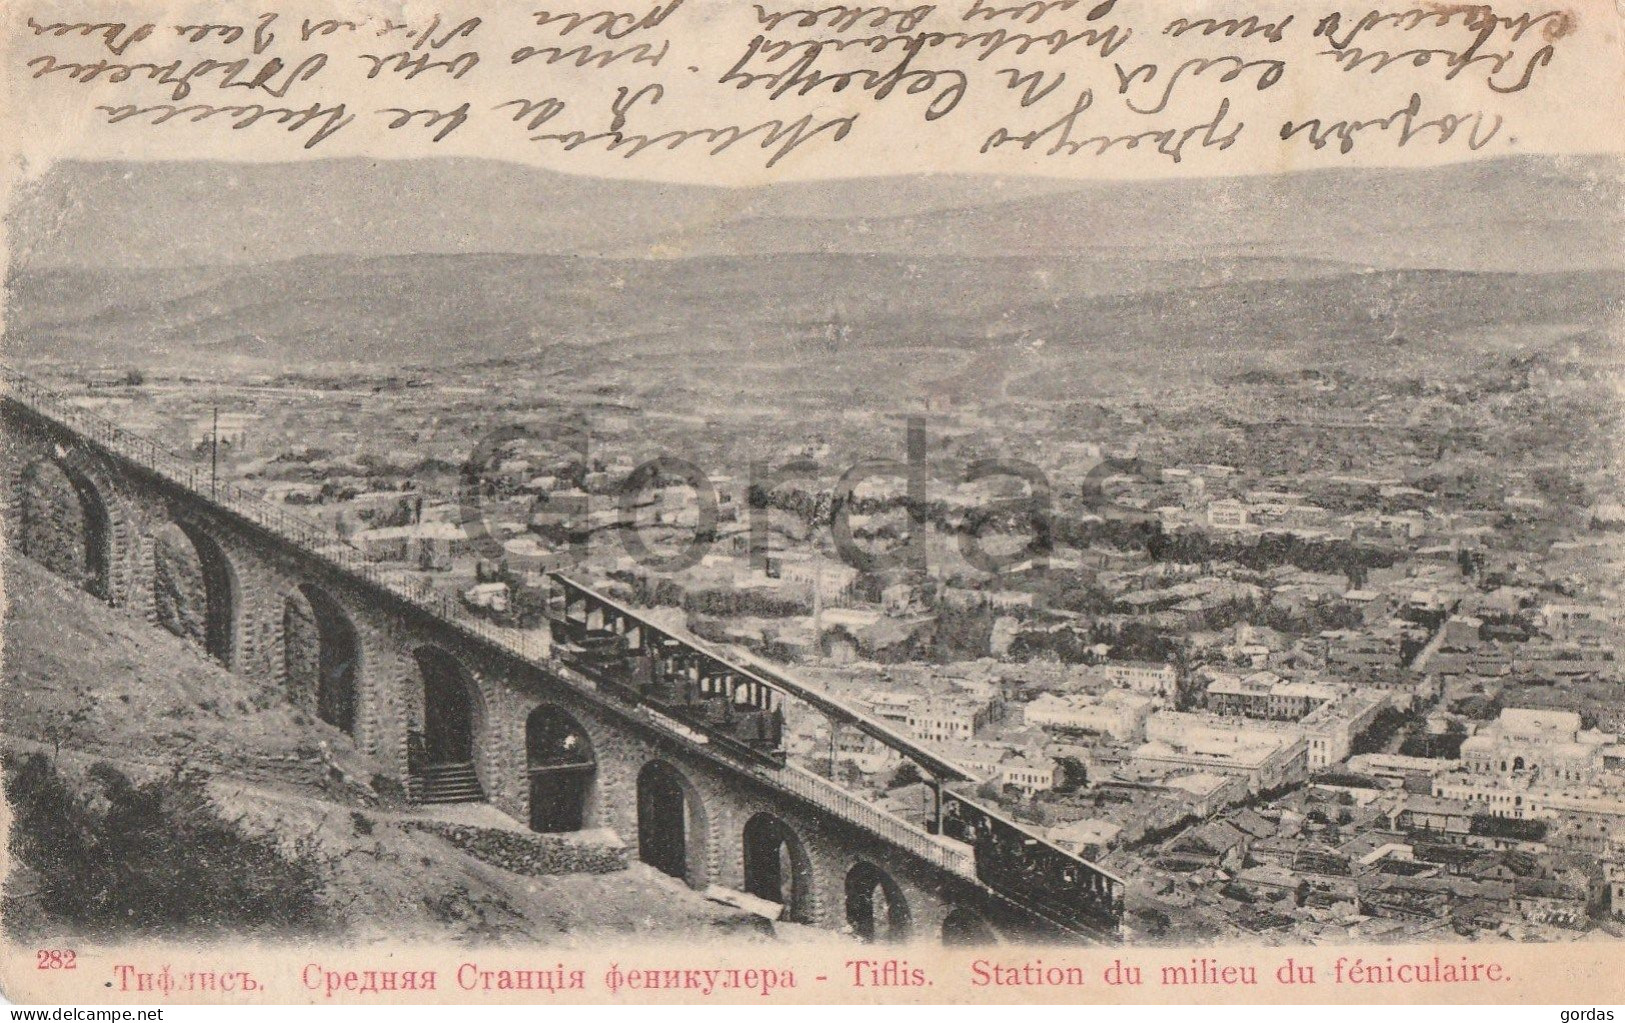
(398,310)
(449,261)
(1517,213)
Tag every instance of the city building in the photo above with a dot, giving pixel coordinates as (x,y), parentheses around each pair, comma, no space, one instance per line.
(1613,872)
(983,759)
(1030,774)
(1205,793)
(429,545)
(866,753)
(1548,746)
(1118,712)
(1227,514)
(950,718)
(1356,651)
(1267,695)
(1265,758)
(1568,621)
(892,708)
(1142,676)
(1522,799)
(1333,727)
(1092,838)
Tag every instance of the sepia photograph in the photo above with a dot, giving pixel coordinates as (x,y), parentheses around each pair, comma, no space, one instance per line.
(1043,501)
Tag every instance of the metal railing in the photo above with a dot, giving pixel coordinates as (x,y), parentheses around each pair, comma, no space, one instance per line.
(952,856)
(318,540)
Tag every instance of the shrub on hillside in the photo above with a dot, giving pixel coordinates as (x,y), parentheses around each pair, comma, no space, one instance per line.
(113,857)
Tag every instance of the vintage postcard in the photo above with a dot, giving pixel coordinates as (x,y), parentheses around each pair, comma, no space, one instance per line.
(1109,501)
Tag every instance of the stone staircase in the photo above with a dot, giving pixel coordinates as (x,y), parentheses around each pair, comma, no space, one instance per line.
(447,783)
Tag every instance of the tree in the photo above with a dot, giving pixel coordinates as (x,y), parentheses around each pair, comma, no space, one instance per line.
(962,634)
(1074,775)
(907,773)
(1356,573)
(65,722)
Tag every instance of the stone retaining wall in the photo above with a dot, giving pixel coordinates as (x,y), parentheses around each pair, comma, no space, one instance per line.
(532,855)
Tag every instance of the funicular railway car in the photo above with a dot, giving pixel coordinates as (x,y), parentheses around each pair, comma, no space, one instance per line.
(1043,877)
(596,653)
(649,668)
(744,729)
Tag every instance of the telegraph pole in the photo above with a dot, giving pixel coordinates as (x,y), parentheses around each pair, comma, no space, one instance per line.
(214,452)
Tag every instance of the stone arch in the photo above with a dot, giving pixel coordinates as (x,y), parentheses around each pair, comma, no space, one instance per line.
(1517,763)
(876,908)
(562,767)
(777,867)
(196,594)
(964,927)
(321,656)
(672,823)
(453,709)
(65,521)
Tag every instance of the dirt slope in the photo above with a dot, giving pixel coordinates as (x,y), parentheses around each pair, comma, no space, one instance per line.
(85,683)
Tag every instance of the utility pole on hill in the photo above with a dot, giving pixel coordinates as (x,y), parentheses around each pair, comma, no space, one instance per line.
(214,452)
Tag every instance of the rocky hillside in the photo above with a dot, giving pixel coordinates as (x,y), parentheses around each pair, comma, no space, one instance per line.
(86,685)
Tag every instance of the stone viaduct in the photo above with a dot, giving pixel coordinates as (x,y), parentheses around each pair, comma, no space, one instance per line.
(497,715)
